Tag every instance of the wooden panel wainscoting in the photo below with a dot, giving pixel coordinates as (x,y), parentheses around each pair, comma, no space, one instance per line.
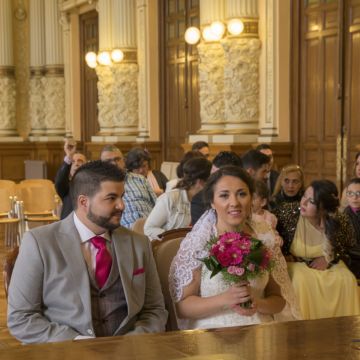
(283,151)
(13,155)
(92,150)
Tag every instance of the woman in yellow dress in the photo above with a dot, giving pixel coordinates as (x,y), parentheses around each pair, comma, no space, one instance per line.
(324,285)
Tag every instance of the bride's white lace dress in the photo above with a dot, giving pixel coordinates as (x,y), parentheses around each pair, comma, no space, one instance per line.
(187,260)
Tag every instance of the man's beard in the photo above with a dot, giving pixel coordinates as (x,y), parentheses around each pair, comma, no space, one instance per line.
(103,221)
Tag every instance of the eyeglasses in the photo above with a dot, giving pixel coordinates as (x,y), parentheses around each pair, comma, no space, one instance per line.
(353,193)
(292,181)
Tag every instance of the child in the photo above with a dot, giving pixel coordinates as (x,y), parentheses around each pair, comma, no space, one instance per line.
(353,212)
(260,201)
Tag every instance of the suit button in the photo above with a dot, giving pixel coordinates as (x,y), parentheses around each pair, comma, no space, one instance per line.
(90,332)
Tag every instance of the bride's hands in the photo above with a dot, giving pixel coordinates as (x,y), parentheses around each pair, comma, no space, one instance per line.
(238,294)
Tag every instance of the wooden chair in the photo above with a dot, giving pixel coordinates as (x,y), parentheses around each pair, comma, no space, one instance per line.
(40,203)
(164,252)
(8,224)
(174,233)
(138,226)
(8,267)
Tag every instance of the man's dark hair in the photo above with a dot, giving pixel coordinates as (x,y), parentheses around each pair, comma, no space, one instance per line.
(199,145)
(254,159)
(224,158)
(135,157)
(88,178)
(263,146)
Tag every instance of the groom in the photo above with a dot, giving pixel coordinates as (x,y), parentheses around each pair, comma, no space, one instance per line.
(85,276)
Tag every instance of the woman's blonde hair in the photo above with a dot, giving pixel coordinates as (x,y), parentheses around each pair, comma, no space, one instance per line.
(285,171)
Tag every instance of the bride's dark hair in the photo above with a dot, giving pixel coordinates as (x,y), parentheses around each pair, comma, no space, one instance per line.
(230,170)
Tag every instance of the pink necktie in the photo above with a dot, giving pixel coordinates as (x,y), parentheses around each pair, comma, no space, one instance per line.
(103,260)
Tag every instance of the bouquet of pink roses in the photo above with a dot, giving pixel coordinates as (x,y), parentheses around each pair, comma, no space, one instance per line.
(238,257)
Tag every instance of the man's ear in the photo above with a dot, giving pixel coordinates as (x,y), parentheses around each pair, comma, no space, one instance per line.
(83,202)
(250,171)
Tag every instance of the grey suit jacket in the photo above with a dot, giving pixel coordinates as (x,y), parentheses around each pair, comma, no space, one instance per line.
(49,293)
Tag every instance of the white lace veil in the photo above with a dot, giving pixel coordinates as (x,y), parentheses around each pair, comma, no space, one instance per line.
(192,249)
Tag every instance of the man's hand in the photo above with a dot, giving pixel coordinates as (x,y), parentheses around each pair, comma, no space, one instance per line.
(70,148)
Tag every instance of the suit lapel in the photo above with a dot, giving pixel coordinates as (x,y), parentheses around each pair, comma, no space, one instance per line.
(69,242)
(125,261)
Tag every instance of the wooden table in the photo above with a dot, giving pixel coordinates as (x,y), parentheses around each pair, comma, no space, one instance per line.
(337,338)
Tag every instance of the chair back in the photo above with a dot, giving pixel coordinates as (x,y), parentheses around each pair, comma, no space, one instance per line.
(9,267)
(164,251)
(5,203)
(37,182)
(174,233)
(138,226)
(168,168)
(8,184)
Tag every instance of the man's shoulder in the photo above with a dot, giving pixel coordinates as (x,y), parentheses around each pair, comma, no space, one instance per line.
(125,234)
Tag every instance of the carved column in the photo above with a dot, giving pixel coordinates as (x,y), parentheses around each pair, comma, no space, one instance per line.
(144,68)
(37,68)
(7,80)
(66,35)
(211,74)
(241,73)
(118,84)
(53,82)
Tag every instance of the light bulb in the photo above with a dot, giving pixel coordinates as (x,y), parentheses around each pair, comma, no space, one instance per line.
(235,27)
(92,64)
(117,55)
(208,34)
(192,35)
(218,30)
(104,58)
(90,57)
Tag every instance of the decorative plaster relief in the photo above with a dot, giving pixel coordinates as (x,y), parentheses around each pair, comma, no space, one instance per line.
(118,97)
(7,104)
(54,94)
(36,105)
(211,83)
(241,80)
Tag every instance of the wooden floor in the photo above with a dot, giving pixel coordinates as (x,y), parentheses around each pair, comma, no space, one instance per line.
(6,340)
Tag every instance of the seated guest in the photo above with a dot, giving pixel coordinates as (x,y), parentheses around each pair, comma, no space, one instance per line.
(259,204)
(256,164)
(223,158)
(273,174)
(209,302)
(171,184)
(139,197)
(356,172)
(202,147)
(139,161)
(72,161)
(113,155)
(85,276)
(172,209)
(324,286)
(353,213)
(285,203)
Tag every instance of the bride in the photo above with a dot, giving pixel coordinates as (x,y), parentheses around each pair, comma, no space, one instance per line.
(202,302)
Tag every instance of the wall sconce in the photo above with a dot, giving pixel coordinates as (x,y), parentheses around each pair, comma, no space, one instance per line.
(192,35)
(104,58)
(235,27)
(214,32)
(117,56)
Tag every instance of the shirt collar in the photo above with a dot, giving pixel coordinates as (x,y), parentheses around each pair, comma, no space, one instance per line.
(85,233)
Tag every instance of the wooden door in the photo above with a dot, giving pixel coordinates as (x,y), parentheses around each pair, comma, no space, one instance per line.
(89,41)
(351,83)
(327,98)
(180,112)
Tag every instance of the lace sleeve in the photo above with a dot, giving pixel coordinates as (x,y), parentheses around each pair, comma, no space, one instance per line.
(192,249)
(279,273)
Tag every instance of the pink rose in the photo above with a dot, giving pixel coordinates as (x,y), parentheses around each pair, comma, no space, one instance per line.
(234,270)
